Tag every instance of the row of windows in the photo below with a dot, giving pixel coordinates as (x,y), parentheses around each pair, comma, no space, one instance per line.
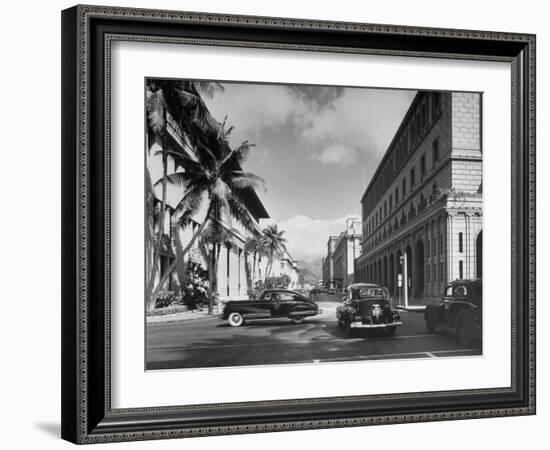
(415,208)
(383,211)
(418,124)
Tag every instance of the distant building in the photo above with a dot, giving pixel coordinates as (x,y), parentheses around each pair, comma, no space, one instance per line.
(424,200)
(286,265)
(328,266)
(342,250)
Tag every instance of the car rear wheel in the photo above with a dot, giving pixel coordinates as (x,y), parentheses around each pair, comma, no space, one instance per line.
(430,327)
(235,319)
(463,333)
(298,319)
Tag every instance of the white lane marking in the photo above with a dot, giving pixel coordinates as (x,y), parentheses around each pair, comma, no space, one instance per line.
(432,354)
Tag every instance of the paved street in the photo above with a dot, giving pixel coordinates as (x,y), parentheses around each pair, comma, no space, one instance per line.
(210,342)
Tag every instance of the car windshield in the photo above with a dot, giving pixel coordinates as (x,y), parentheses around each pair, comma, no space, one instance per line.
(367,292)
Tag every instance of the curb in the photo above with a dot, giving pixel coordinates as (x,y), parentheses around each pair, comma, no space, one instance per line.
(180,317)
(416,308)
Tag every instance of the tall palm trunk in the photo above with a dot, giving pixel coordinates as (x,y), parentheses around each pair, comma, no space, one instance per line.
(156,255)
(179,258)
(214,279)
(254,256)
(212,286)
(268,271)
(214,259)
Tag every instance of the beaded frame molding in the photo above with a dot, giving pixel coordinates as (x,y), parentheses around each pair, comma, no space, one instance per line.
(87,35)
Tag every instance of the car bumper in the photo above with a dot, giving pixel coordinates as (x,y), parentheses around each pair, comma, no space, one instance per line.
(306,313)
(375,325)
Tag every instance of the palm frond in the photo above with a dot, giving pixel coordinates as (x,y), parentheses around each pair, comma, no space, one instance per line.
(237,155)
(189,205)
(185,161)
(240,212)
(178,179)
(221,193)
(247,180)
(156,105)
(208,88)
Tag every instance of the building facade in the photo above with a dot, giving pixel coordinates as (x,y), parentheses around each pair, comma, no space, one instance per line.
(328,264)
(424,201)
(286,266)
(342,251)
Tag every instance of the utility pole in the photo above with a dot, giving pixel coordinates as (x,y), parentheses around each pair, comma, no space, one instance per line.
(405,280)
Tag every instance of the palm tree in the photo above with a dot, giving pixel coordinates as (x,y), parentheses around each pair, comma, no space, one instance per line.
(274,244)
(255,246)
(215,180)
(181,100)
(214,237)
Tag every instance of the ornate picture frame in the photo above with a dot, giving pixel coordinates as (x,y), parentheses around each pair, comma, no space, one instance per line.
(88,33)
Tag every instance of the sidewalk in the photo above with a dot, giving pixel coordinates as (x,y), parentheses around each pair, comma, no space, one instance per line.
(178,314)
(417,304)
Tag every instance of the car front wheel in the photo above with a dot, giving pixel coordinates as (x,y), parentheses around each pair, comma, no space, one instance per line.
(297,319)
(349,330)
(235,319)
(430,327)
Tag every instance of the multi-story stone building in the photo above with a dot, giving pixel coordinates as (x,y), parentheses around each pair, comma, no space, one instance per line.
(285,265)
(328,265)
(342,251)
(424,199)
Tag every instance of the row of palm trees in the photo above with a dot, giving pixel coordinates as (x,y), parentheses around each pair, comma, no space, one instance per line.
(270,244)
(211,179)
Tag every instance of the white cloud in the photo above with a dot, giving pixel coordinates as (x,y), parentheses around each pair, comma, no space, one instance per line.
(360,119)
(307,237)
(337,154)
(252,108)
(339,125)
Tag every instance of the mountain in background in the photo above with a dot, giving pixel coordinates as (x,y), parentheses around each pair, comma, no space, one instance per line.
(310,271)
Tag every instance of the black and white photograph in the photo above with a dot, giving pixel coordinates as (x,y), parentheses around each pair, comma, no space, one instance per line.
(310,224)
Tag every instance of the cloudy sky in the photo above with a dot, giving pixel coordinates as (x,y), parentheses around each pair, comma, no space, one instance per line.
(316,148)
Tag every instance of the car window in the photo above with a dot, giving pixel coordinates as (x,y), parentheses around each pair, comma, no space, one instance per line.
(449,291)
(287,296)
(368,292)
(460,291)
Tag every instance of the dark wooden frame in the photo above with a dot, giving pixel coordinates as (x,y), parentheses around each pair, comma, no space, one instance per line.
(87,32)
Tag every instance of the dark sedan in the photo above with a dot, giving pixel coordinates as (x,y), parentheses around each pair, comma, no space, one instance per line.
(272,303)
(367,307)
(459,311)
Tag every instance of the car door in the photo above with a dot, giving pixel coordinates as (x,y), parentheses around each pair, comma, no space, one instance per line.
(283,304)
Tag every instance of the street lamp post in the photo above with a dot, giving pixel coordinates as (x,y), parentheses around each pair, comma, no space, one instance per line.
(405,280)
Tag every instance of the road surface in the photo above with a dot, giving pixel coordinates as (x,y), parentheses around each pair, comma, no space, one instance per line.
(210,342)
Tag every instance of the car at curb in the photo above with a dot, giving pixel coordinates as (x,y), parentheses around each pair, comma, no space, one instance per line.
(271,304)
(460,311)
(367,306)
